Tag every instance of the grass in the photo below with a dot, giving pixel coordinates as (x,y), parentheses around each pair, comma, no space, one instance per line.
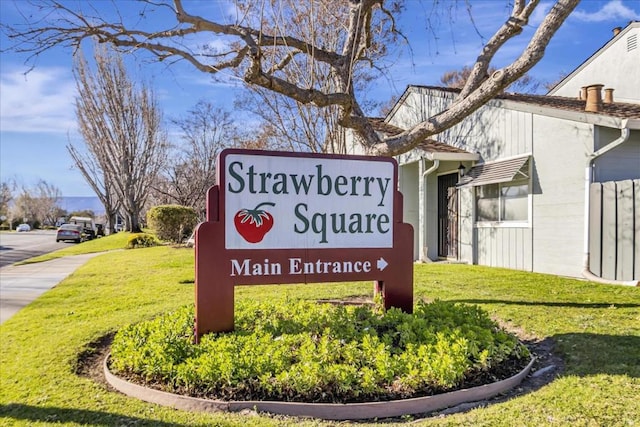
(596,328)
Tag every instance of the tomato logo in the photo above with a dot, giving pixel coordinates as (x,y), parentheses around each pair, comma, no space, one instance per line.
(253,224)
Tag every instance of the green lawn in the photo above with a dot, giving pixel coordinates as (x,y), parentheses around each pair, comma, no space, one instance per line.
(596,328)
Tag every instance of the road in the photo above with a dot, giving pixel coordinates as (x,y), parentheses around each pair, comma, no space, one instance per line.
(16,247)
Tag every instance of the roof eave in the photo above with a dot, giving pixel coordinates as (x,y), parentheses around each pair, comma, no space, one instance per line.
(417,154)
(577,116)
(462,157)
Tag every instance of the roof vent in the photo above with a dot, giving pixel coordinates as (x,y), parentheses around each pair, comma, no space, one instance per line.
(594,98)
(583,93)
(608,95)
(632,42)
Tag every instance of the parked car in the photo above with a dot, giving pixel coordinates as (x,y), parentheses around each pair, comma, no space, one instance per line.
(88,225)
(23,227)
(70,232)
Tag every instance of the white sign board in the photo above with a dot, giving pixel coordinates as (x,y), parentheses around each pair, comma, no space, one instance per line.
(297,202)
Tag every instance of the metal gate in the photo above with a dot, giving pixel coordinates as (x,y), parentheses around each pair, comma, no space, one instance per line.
(448,216)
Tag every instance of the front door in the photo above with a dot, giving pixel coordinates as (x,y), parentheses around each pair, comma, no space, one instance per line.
(448,216)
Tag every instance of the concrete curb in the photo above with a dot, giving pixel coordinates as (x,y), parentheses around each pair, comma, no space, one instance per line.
(327,411)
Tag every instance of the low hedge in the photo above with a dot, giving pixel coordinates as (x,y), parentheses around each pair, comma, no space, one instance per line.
(316,352)
(142,240)
(172,222)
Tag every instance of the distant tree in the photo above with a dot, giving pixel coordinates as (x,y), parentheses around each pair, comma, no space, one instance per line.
(46,202)
(121,125)
(24,208)
(59,216)
(191,169)
(256,41)
(550,85)
(259,139)
(292,126)
(6,196)
(37,205)
(386,107)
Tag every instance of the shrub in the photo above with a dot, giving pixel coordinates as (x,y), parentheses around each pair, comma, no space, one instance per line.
(172,222)
(141,240)
(312,352)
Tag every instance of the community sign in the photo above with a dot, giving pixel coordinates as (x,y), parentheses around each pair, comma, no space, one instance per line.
(277,217)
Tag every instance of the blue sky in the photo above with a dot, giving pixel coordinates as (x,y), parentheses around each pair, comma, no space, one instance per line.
(37,118)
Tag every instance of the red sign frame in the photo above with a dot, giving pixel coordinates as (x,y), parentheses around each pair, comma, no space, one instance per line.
(391,268)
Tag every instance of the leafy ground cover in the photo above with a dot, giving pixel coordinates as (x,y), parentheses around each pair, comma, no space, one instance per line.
(595,328)
(307,351)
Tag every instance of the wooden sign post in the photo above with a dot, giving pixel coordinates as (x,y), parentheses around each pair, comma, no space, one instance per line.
(277,218)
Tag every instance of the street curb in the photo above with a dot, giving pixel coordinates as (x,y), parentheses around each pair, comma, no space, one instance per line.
(326,411)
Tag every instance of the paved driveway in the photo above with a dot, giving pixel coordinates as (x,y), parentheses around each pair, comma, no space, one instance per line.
(21,284)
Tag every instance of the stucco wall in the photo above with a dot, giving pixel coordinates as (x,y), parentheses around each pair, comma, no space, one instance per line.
(560,157)
(615,67)
(408,180)
(622,162)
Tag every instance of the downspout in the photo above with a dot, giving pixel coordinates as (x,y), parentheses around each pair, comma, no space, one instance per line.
(425,174)
(586,272)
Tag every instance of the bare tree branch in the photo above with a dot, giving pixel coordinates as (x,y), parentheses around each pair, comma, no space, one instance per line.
(265,48)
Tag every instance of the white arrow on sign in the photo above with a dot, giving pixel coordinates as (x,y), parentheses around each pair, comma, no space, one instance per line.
(382,264)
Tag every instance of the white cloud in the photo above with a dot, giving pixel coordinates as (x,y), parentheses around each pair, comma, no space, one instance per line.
(612,11)
(539,14)
(40,101)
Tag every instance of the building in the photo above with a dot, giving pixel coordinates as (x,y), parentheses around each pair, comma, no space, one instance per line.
(544,183)
(615,64)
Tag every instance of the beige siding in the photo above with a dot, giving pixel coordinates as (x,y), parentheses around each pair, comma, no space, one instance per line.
(493,131)
(504,247)
(466,225)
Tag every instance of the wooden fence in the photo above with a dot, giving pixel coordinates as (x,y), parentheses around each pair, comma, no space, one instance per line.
(614,225)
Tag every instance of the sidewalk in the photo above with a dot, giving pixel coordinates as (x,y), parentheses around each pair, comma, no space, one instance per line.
(21,284)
